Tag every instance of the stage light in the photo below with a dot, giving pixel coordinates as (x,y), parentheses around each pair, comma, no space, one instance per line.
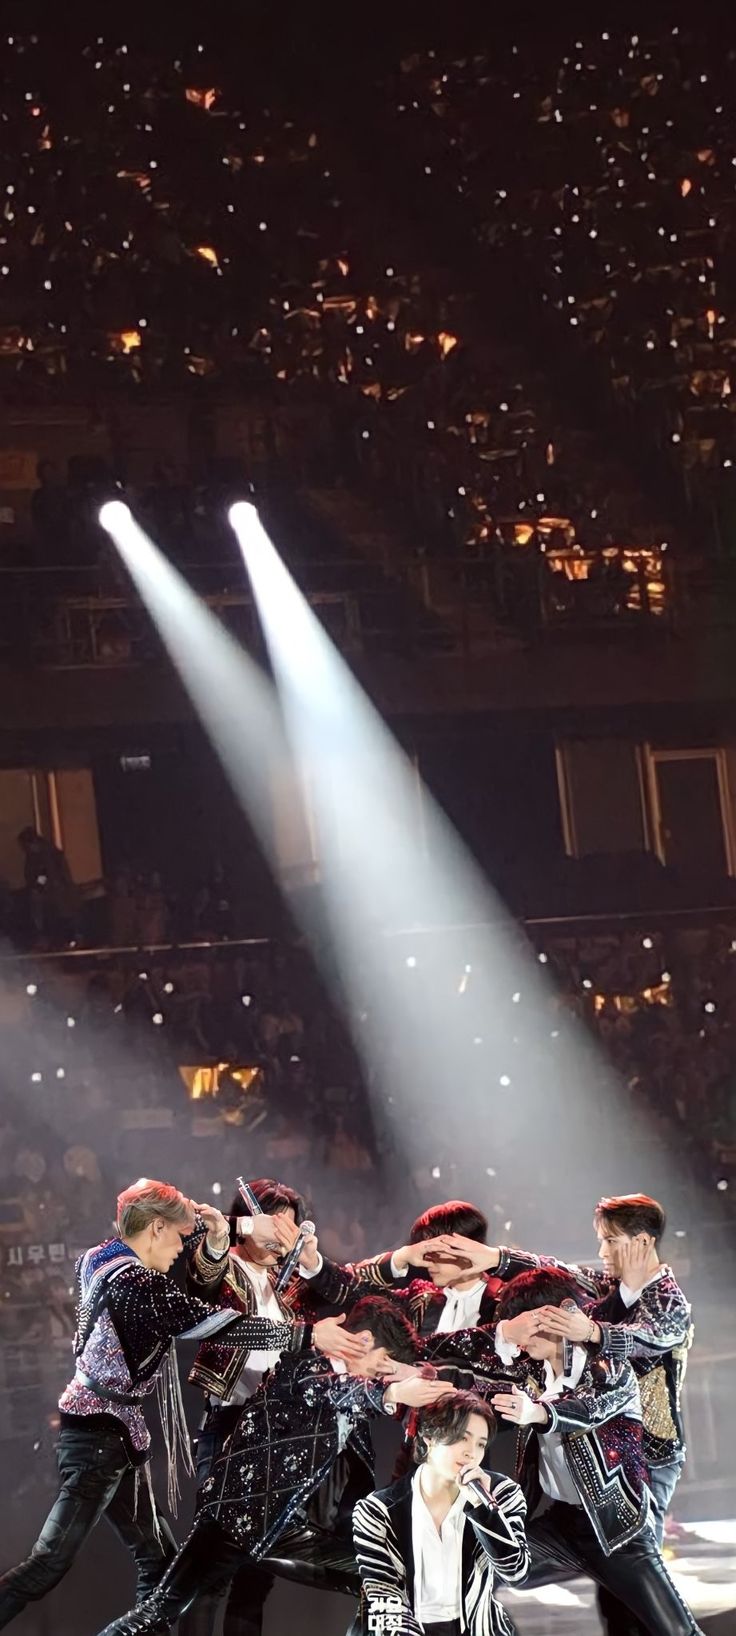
(168,988)
(242,515)
(217,1188)
(61,1073)
(157,1019)
(115,517)
(411,961)
(36,1080)
(71,1022)
(31,988)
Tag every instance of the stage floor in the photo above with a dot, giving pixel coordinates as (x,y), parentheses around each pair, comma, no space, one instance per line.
(700,1555)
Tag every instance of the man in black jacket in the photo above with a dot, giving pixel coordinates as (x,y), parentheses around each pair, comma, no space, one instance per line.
(129,1313)
(430,1547)
(432,1277)
(581,1446)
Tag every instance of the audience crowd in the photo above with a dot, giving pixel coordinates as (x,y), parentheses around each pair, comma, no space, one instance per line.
(223,255)
(599,165)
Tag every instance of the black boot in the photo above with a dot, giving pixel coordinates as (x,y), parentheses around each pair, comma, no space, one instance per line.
(205,1561)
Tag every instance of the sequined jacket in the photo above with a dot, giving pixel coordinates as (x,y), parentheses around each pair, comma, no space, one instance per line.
(224,1282)
(127,1317)
(493,1546)
(285,1443)
(599,1423)
(341,1286)
(656,1334)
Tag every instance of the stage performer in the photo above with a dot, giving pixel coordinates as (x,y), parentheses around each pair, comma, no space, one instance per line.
(581,1444)
(637,1310)
(128,1314)
(451,1293)
(287,1442)
(244,1282)
(430,1548)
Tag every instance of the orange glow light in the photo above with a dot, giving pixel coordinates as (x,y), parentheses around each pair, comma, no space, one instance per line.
(686,186)
(207,254)
(446,342)
(202,99)
(128,339)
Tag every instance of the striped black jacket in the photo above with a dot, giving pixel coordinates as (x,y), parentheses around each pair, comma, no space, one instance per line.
(494,1547)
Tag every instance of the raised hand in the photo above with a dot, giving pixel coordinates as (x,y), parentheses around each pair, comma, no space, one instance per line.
(634,1260)
(519,1407)
(218,1226)
(475,1474)
(416,1392)
(572,1326)
(330,1337)
(517,1331)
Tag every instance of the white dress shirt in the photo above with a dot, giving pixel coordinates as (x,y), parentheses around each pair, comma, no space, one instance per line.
(554,1475)
(438,1558)
(462,1306)
(257,1362)
(631,1296)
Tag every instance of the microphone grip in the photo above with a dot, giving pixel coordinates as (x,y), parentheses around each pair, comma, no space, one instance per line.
(475,1487)
(248,1196)
(568,1305)
(291,1261)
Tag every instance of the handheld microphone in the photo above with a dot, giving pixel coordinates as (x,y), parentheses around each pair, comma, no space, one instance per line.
(291,1261)
(568,1305)
(248,1196)
(475,1487)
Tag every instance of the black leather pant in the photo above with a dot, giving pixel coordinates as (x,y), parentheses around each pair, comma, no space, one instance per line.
(97,1479)
(208,1560)
(635,1574)
(615,1618)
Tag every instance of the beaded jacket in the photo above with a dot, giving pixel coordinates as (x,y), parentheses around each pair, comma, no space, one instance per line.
(599,1422)
(283,1447)
(223,1281)
(128,1316)
(655,1333)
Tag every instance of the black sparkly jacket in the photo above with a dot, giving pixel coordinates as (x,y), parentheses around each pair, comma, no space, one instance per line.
(339,1287)
(284,1446)
(223,1281)
(655,1333)
(127,1318)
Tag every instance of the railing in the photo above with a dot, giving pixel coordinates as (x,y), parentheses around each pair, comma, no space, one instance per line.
(85,615)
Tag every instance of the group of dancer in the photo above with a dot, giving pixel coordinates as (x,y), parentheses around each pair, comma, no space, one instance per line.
(454,1338)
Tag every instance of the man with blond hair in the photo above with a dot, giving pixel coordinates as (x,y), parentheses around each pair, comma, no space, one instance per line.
(128,1316)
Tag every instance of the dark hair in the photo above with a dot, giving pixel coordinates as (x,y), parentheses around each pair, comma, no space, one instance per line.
(446,1420)
(272,1197)
(632,1213)
(387,1325)
(453,1217)
(547,1288)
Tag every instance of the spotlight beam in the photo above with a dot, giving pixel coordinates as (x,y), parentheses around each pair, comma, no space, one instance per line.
(517,1078)
(234,700)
